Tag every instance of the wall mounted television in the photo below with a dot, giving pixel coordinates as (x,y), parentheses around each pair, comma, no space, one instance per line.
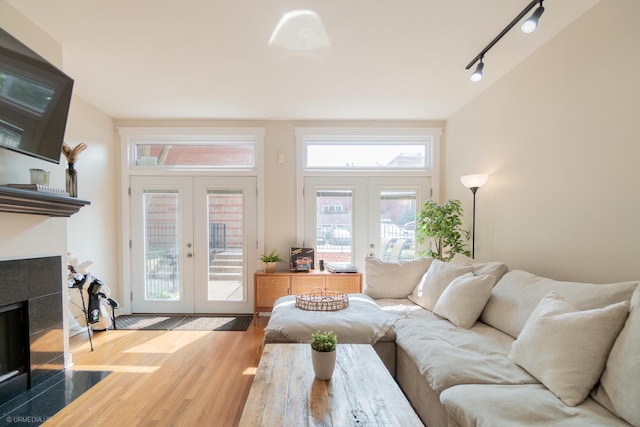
(34,101)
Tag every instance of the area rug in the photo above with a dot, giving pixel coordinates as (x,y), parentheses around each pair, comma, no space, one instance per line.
(183,322)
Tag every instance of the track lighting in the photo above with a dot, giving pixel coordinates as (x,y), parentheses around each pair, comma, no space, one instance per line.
(528,26)
(477,74)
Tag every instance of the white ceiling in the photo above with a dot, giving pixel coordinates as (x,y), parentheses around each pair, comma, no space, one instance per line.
(402,59)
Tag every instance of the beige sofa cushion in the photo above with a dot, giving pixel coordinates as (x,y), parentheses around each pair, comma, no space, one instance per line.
(393,279)
(518,292)
(474,405)
(567,349)
(447,355)
(619,389)
(434,282)
(465,297)
(494,268)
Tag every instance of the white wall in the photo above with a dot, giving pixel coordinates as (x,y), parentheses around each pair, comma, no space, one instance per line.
(93,232)
(559,137)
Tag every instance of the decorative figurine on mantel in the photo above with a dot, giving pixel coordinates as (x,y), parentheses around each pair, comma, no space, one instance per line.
(71,176)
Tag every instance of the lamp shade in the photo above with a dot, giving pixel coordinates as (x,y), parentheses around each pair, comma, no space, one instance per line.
(476,180)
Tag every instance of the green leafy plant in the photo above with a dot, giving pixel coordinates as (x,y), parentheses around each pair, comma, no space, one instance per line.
(324,341)
(441,225)
(272,257)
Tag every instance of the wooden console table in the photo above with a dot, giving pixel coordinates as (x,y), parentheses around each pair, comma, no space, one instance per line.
(361,392)
(268,287)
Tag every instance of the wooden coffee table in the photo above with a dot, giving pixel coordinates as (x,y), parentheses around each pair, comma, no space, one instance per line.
(361,392)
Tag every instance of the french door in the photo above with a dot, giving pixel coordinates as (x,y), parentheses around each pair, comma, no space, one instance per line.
(192,239)
(350,218)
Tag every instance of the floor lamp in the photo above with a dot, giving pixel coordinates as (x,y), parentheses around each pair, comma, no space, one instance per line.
(473,182)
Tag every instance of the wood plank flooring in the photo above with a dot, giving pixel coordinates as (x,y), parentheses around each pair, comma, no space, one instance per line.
(165,378)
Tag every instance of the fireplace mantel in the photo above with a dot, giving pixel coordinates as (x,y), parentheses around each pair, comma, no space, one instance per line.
(38,203)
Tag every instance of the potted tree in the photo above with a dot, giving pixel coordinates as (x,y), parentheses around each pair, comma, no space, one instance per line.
(269,261)
(441,226)
(323,353)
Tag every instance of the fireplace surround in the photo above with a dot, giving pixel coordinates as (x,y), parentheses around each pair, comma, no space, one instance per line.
(36,285)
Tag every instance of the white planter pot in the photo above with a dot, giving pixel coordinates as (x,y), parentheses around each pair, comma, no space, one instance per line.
(323,363)
(269,267)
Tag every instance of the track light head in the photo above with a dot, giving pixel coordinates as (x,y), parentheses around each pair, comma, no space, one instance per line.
(477,74)
(530,25)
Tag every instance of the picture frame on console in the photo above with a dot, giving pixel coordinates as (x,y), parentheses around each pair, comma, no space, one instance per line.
(301,259)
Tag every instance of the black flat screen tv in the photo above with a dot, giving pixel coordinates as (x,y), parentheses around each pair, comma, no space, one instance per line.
(34,101)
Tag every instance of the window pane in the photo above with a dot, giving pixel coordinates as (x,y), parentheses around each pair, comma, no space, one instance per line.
(226,237)
(162,269)
(366,156)
(397,225)
(236,155)
(334,221)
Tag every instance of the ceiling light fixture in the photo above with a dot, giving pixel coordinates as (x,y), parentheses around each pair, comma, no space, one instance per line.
(528,26)
(300,30)
(477,74)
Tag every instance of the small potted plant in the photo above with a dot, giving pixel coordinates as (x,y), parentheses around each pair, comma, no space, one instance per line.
(269,261)
(323,353)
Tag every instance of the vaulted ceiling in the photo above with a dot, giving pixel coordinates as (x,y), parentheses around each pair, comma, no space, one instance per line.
(402,59)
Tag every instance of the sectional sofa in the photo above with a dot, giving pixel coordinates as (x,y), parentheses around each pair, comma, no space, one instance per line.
(478,345)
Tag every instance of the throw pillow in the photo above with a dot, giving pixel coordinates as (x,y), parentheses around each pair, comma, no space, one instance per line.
(393,279)
(514,297)
(618,390)
(465,297)
(435,281)
(495,268)
(565,349)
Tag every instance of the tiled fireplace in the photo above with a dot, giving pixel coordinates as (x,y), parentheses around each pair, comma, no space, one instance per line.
(31,316)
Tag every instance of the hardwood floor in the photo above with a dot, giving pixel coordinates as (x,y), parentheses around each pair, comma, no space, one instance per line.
(165,378)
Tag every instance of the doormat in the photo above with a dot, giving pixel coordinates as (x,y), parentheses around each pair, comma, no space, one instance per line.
(183,322)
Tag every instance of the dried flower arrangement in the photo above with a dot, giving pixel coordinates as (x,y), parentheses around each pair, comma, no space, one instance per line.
(72,154)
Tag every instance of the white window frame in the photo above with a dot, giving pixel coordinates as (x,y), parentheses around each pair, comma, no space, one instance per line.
(130,136)
(192,136)
(368,141)
(400,135)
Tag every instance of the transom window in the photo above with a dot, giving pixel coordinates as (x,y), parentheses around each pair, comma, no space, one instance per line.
(224,149)
(369,152)
(208,154)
